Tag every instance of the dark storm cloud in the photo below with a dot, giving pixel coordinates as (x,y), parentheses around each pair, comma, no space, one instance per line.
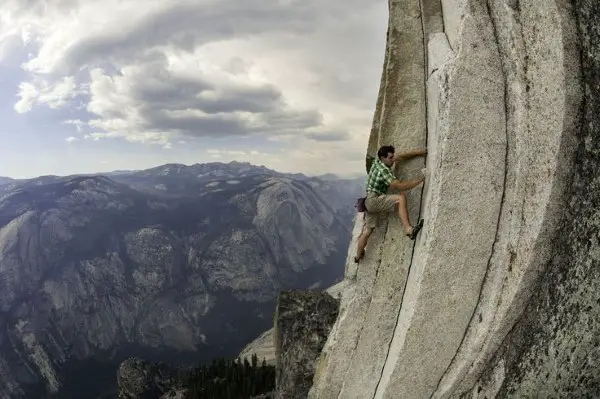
(187,26)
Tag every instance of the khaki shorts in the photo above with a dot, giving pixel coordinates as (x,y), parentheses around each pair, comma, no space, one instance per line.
(377,204)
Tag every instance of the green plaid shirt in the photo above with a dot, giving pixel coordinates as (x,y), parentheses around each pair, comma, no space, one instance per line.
(380,178)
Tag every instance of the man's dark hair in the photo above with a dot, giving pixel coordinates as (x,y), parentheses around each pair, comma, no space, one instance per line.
(385,150)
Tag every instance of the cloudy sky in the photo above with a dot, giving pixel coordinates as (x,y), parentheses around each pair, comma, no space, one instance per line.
(93,86)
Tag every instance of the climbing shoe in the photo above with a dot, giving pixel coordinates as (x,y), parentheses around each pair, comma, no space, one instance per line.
(415,230)
(358,258)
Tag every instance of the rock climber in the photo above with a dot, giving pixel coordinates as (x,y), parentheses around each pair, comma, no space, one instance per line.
(377,201)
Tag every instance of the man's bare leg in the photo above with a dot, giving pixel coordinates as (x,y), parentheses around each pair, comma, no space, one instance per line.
(401,204)
(403,213)
(362,243)
(410,230)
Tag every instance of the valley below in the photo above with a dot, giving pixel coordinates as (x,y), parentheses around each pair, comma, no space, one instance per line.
(178,264)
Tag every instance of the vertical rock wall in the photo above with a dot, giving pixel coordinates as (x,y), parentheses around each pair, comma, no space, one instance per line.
(554,348)
(494,89)
(461,207)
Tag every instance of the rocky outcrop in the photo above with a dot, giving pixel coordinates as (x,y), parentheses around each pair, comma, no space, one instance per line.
(95,268)
(302,323)
(494,90)
(264,346)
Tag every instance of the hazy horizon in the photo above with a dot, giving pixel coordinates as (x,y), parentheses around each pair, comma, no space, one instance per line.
(342,176)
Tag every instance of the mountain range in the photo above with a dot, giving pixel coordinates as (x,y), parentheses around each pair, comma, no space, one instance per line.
(175,263)
(5,180)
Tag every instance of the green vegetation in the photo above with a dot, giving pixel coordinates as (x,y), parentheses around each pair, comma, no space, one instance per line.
(230,379)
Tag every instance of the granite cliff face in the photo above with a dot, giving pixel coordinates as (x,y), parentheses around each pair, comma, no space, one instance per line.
(498,294)
(177,263)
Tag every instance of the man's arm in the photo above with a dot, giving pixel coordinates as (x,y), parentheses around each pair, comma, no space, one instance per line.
(407,184)
(410,154)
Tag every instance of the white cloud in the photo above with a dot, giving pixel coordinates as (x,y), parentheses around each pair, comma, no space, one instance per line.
(78,123)
(55,95)
(71,139)
(302,73)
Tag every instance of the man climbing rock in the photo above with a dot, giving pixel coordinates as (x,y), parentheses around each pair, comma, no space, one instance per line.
(377,201)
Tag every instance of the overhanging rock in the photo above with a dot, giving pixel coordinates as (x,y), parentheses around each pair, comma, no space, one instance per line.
(493,88)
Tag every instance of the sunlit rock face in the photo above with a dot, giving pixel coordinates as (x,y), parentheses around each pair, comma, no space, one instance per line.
(495,297)
(97,267)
